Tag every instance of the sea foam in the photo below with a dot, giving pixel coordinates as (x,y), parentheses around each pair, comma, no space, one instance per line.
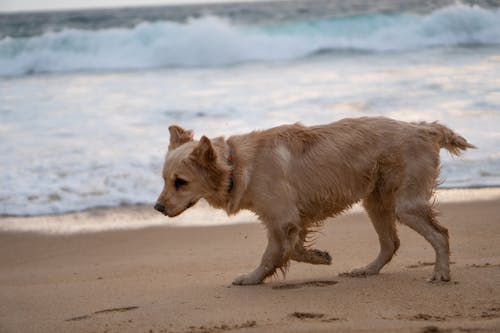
(214,41)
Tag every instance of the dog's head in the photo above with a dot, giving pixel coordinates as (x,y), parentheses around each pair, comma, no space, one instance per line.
(191,171)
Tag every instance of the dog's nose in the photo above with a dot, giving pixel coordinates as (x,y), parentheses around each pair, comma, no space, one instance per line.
(160,208)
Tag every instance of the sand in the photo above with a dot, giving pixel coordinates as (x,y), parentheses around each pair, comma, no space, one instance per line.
(171,279)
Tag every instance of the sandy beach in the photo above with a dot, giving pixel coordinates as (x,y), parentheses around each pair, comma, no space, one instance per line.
(172,279)
(88,90)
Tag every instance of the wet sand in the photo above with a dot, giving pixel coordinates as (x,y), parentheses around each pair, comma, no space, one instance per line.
(171,279)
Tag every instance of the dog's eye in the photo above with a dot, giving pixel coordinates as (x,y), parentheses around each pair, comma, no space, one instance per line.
(179,182)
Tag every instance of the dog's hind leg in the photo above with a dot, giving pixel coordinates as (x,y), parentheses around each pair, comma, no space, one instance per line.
(281,242)
(421,217)
(381,212)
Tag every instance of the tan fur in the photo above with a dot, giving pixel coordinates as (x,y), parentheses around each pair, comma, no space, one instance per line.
(294,177)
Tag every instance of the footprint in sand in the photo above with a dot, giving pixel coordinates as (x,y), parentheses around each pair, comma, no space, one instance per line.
(434,329)
(425,263)
(78,318)
(124,309)
(307,315)
(313,315)
(321,283)
(221,327)
(105,311)
(483,265)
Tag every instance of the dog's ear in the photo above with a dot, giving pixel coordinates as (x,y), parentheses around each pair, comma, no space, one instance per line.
(204,154)
(178,136)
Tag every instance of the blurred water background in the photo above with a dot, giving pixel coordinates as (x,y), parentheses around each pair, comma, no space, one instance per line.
(86,97)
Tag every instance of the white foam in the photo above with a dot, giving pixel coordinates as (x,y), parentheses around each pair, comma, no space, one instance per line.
(124,218)
(212,41)
(201,215)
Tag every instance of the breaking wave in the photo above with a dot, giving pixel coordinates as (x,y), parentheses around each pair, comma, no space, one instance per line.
(213,41)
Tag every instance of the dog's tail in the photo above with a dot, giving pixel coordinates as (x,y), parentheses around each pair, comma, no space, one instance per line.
(448,139)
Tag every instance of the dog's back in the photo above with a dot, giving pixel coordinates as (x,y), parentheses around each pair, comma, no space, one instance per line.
(330,167)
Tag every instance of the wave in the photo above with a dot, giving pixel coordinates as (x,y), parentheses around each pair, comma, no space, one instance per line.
(213,41)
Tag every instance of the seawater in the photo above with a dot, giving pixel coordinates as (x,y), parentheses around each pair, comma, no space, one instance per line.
(86,97)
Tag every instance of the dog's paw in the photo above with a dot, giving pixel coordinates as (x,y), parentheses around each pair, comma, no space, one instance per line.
(312,256)
(359,272)
(247,279)
(321,257)
(439,277)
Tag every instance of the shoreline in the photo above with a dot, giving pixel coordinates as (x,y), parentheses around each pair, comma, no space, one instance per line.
(178,280)
(133,217)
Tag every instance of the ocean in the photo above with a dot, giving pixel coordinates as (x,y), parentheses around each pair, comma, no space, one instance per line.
(86,97)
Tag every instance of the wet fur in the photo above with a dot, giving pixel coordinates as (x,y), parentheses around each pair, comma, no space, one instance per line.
(294,177)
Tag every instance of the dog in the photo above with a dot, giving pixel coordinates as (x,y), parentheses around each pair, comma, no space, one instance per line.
(294,177)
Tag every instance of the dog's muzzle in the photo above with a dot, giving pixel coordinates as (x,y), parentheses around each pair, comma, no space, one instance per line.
(160,208)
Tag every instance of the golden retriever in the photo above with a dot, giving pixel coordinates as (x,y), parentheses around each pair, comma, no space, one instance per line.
(294,177)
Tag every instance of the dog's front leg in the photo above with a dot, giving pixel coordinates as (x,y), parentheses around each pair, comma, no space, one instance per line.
(280,244)
(311,256)
(308,255)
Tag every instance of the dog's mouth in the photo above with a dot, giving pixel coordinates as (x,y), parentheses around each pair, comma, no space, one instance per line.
(189,205)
